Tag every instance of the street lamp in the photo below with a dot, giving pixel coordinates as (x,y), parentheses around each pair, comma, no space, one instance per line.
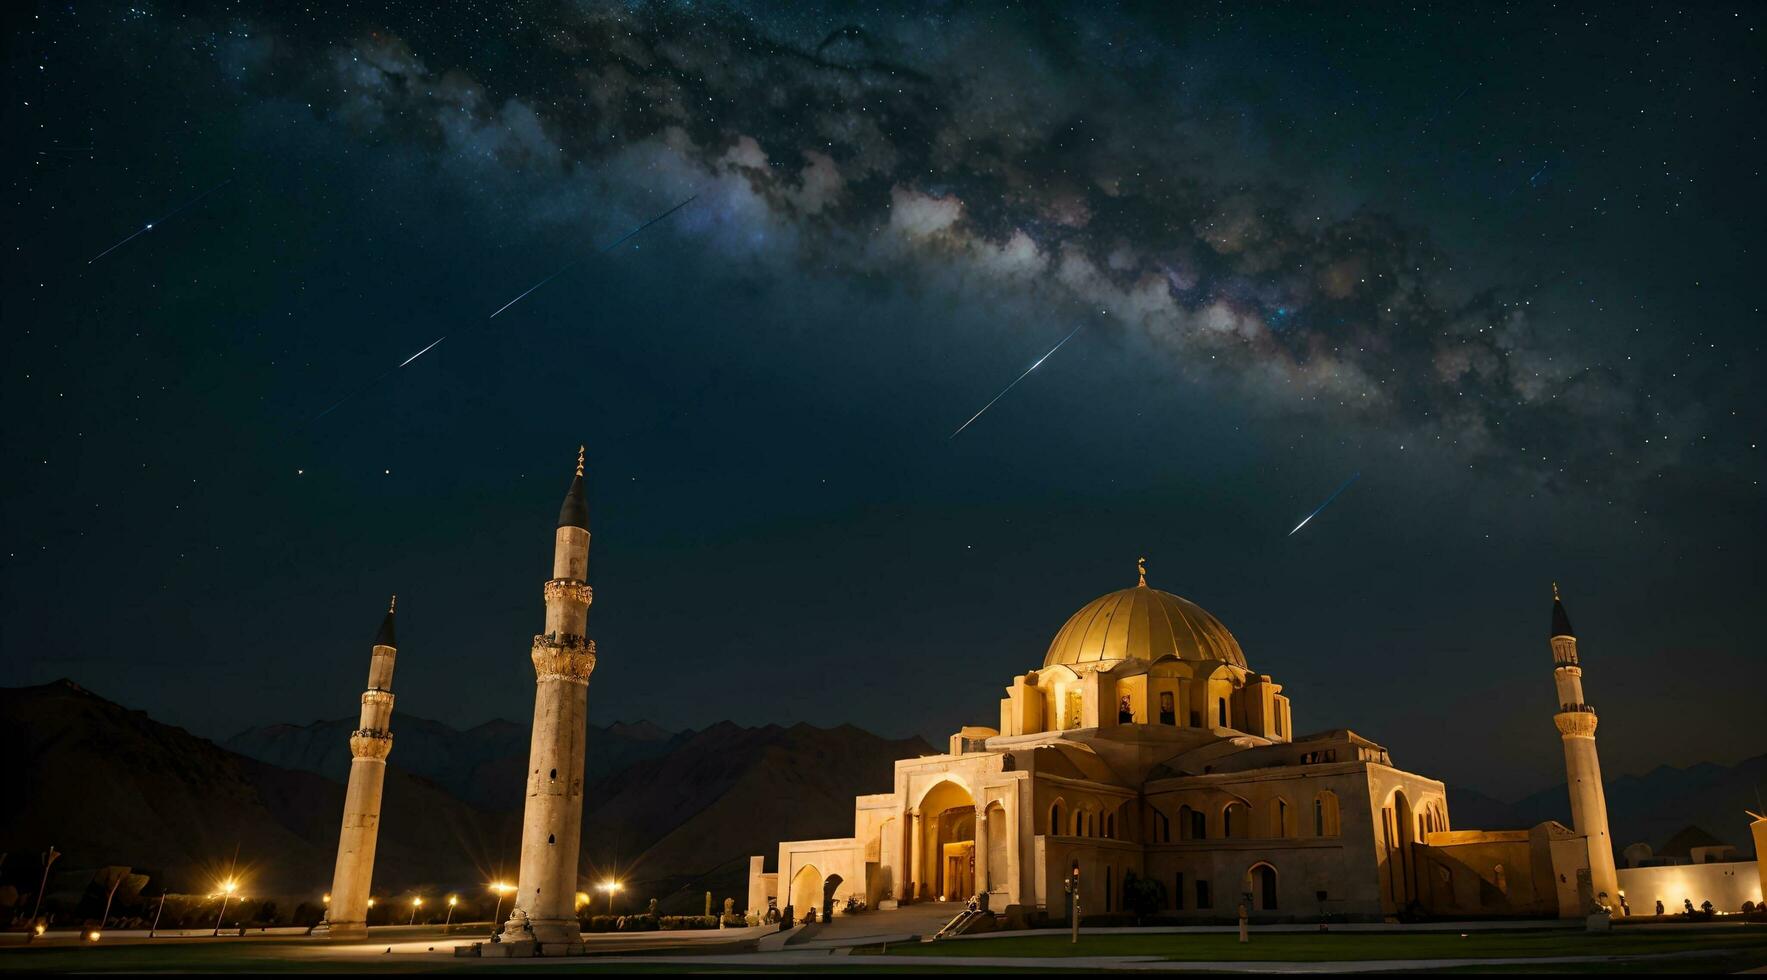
(416,903)
(453,900)
(49,857)
(228,887)
(610,886)
(502,889)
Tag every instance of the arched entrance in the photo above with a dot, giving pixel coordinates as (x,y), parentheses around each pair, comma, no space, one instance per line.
(948,850)
(1261,883)
(806,890)
(1401,832)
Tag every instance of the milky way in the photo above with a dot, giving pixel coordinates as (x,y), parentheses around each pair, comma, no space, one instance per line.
(884,146)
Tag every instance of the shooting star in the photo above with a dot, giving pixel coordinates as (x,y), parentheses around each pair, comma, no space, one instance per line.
(144,229)
(1015,381)
(623,239)
(1334,495)
(420,353)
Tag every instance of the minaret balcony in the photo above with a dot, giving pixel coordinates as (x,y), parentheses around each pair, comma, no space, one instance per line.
(563,656)
(569,590)
(375,695)
(370,743)
(1576,721)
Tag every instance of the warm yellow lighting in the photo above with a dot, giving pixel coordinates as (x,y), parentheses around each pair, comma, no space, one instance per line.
(453,900)
(502,888)
(417,903)
(40,928)
(92,936)
(371,903)
(582,899)
(230,886)
(327,898)
(610,885)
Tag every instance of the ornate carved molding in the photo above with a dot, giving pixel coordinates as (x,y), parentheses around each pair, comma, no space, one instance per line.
(1577,723)
(370,744)
(563,657)
(375,695)
(569,590)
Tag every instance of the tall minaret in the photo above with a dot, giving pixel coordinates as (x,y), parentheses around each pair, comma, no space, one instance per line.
(1576,726)
(347,917)
(552,823)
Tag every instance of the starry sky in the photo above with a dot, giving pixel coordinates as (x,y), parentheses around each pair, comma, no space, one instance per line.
(1501,261)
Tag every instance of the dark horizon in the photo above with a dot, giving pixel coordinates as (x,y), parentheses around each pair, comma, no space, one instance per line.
(1513,287)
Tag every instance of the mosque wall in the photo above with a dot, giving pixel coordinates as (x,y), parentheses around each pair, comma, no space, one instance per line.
(1725,884)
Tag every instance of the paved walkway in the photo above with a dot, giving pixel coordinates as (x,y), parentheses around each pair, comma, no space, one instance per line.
(833,959)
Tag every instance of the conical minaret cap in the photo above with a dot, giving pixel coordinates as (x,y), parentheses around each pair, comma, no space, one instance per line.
(1561,623)
(575,512)
(386,637)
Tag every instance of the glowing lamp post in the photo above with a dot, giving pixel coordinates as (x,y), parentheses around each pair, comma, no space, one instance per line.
(453,900)
(612,888)
(416,903)
(502,889)
(228,887)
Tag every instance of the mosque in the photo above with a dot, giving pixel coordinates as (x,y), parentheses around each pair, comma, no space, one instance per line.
(1146,746)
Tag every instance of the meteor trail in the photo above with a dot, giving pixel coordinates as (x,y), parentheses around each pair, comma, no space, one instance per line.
(144,229)
(1015,381)
(623,239)
(1334,495)
(420,353)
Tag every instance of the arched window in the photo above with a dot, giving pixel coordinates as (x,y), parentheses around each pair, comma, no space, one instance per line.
(1162,827)
(1055,819)
(1168,714)
(1236,820)
(1325,814)
(1199,825)
(1280,821)
(1110,825)
(1221,711)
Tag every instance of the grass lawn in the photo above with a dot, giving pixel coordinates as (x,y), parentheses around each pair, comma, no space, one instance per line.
(1318,947)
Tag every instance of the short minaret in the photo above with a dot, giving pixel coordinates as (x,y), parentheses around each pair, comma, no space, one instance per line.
(552,823)
(347,917)
(1576,726)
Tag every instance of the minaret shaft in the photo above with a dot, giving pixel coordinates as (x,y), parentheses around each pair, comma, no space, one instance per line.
(552,822)
(1576,722)
(353,877)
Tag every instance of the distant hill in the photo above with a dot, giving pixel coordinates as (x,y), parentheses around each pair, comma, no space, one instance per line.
(674,814)
(105,784)
(688,821)
(482,765)
(1649,808)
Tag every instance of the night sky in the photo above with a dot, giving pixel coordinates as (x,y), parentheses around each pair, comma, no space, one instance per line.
(1502,261)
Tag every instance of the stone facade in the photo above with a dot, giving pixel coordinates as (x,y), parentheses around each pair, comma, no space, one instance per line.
(1147,747)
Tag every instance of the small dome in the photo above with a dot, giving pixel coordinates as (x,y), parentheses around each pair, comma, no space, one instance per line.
(1142,624)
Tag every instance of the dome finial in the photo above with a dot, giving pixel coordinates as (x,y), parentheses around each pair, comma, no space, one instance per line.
(1555,592)
(580,451)
(393,604)
(1141,570)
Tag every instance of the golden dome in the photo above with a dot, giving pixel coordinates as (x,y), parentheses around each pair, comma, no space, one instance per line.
(1140,623)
